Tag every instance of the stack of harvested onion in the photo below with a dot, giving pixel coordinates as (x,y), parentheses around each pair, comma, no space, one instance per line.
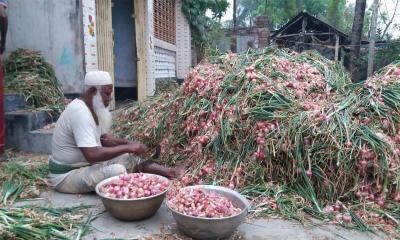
(134,185)
(200,203)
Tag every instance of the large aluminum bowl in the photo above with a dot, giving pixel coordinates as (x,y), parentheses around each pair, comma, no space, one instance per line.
(131,209)
(213,228)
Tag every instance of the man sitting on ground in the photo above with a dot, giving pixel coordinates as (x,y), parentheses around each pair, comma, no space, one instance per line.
(84,153)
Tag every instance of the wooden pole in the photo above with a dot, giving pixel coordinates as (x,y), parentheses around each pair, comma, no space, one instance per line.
(233,37)
(105,41)
(140,24)
(337,48)
(342,58)
(303,33)
(372,37)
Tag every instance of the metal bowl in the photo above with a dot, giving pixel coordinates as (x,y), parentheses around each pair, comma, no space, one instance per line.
(131,209)
(213,228)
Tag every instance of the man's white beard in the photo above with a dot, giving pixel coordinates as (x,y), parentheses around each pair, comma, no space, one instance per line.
(103,114)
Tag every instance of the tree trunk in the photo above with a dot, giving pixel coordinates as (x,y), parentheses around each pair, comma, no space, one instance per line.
(356,33)
(234,15)
(233,37)
(372,37)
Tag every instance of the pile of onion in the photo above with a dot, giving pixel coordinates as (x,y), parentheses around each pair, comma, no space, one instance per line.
(134,185)
(198,202)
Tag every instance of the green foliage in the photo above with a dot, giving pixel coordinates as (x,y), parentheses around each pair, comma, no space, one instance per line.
(244,12)
(279,12)
(200,23)
(28,72)
(384,55)
(21,177)
(338,13)
(335,7)
(388,54)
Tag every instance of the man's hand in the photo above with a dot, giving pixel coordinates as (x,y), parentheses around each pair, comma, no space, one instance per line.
(110,140)
(137,148)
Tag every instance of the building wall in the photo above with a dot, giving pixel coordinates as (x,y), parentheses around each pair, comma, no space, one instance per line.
(165,54)
(174,60)
(183,43)
(242,42)
(165,61)
(224,44)
(53,28)
(150,58)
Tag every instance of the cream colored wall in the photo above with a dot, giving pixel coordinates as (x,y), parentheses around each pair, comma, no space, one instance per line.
(183,43)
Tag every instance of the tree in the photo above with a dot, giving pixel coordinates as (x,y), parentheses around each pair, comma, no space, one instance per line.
(281,11)
(245,12)
(234,15)
(195,13)
(391,19)
(335,7)
(372,38)
(201,25)
(356,33)
(290,7)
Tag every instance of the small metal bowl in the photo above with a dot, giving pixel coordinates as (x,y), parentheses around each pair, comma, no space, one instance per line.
(213,228)
(131,209)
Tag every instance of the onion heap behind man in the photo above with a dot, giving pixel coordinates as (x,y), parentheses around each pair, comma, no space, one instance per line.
(84,152)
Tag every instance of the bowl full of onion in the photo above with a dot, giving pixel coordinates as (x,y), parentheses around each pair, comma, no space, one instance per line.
(133,196)
(208,212)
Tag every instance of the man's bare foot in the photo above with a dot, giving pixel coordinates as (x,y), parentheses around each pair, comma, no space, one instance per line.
(179,171)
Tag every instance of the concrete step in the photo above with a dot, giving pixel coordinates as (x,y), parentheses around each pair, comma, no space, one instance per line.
(36,141)
(14,101)
(39,141)
(19,124)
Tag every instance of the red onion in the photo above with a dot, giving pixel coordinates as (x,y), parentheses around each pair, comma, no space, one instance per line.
(201,203)
(249,69)
(397,196)
(134,185)
(346,218)
(363,163)
(385,123)
(397,72)
(306,141)
(358,194)
(381,202)
(337,207)
(328,209)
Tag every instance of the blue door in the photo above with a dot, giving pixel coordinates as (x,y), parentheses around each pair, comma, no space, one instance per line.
(125,60)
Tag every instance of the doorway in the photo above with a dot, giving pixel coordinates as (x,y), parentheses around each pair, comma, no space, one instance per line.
(125,58)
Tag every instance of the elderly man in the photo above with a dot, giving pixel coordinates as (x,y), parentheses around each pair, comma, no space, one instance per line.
(84,153)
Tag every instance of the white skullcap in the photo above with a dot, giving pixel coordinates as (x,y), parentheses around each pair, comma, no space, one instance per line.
(97,78)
